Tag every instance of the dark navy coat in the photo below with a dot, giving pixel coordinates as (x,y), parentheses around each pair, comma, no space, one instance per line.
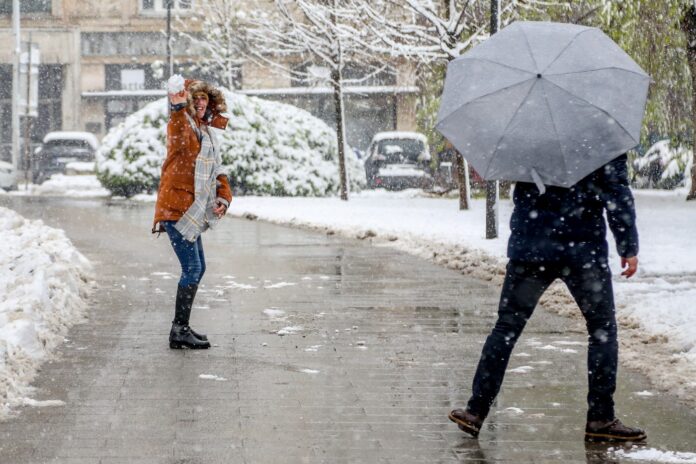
(568,223)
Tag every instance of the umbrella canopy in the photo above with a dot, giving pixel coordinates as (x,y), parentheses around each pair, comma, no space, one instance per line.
(543,102)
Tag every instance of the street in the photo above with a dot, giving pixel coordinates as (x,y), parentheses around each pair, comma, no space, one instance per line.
(324,350)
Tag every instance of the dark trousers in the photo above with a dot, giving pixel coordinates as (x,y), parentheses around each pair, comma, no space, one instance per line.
(190,255)
(590,285)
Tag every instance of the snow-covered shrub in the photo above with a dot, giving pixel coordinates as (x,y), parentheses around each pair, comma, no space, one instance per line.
(268,148)
(130,157)
(663,166)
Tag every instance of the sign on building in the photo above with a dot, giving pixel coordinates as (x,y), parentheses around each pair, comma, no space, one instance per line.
(132,79)
(29,61)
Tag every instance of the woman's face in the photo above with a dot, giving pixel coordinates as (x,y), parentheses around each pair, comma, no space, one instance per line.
(200,103)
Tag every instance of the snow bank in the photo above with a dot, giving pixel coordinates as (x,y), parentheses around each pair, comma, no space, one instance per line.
(42,286)
(655,455)
(75,186)
(655,310)
(268,148)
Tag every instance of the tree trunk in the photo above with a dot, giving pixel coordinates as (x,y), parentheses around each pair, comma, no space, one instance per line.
(463,181)
(460,162)
(492,188)
(688,25)
(340,130)
(337,82)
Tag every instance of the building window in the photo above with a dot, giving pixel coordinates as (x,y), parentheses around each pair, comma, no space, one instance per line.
(50,106)
(26,6)
(130,77)
(160,6)
(134,44)
(51,80)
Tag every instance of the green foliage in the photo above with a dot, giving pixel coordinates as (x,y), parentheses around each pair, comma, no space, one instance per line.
(431,79)
(648,30)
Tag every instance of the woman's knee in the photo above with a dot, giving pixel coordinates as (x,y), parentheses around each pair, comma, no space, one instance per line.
(191,274)
(201,272)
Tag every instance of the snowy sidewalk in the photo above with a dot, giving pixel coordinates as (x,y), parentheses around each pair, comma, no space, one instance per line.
(325,350)
(657,319)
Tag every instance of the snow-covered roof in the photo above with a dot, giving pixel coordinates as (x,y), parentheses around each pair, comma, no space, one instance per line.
(72,135)
(400,135)
(126,93)
(349,89)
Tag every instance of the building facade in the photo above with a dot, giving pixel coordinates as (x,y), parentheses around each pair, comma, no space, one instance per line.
(100,61)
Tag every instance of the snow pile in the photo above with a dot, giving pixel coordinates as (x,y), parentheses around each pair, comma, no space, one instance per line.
(41,295)
(655,310)
(655,455)
(268,148)
(76,186)
(663,166)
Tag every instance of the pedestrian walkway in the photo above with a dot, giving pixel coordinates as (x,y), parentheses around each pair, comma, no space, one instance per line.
(324,351)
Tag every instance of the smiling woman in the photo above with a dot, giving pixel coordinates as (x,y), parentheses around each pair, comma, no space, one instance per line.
(193,195)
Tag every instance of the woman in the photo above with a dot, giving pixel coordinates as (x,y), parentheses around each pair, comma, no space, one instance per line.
(193,194)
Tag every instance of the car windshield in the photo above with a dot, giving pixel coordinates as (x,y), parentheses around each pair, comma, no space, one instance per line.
(68,144)
(400,150)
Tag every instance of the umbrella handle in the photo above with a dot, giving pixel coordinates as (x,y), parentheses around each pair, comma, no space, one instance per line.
(537,180)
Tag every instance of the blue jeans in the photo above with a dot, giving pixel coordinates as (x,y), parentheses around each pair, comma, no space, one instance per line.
(524,284)
(190,255)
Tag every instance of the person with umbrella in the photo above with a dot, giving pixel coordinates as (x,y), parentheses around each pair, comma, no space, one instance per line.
(553,107)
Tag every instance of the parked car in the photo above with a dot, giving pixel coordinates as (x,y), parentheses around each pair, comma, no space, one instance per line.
(398,160)
(61,148)
(7,177)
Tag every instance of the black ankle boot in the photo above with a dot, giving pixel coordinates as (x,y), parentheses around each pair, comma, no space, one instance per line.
(181,337)
(184,302)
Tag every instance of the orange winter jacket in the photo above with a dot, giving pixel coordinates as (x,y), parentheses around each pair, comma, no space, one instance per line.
(176,188)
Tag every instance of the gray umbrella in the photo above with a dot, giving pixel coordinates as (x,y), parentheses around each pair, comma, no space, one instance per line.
(543,102)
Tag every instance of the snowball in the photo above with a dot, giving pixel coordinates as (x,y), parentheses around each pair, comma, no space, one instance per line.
(175,84)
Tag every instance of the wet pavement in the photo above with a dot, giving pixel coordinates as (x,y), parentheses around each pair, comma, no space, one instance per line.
(378,346)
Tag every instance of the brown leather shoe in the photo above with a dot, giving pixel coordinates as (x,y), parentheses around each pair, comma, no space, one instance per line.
(467,422)
(612,431)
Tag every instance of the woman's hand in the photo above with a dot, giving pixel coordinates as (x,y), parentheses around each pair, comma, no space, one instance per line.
(176,98)
(220,209)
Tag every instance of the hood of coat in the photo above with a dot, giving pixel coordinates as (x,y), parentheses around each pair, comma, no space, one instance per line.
(216,103)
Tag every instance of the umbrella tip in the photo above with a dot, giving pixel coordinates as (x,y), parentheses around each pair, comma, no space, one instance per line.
(539,75)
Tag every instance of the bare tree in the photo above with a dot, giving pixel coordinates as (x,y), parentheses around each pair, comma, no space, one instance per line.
(305,37)
(223,39)
(431,32)
(688,25)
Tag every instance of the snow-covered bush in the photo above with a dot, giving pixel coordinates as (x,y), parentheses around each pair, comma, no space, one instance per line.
(268,148)
(663,166)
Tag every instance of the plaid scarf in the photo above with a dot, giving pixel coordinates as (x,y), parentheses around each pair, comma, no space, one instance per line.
(199,217)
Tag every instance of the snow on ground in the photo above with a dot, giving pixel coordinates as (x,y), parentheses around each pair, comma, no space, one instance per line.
(655,307)
(81,186)
(655,455)
(43,281)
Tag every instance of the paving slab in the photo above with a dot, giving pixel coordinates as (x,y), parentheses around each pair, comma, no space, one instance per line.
(384,345)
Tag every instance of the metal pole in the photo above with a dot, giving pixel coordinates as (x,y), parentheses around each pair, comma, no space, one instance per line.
(170,62)
(15,88)
(27,120)
(492,191)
